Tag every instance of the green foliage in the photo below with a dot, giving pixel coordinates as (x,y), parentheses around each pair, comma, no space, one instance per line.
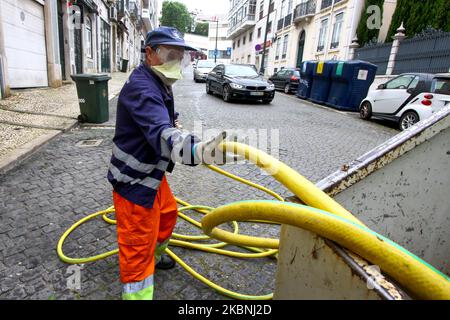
(363,32)
(417,15)
(201,29)
(176,14)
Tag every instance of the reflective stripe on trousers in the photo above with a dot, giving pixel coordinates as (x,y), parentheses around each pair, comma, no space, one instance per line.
(143,235)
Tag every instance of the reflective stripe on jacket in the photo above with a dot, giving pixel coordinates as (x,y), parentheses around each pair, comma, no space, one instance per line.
(145,137)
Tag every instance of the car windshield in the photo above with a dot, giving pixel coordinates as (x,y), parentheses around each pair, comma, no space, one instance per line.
(205,64)
(441,86)
(297,73)
(240,71)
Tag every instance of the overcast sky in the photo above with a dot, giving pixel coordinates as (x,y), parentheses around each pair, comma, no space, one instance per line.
(209,7)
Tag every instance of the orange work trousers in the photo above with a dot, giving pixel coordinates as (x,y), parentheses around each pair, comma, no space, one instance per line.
(141,232)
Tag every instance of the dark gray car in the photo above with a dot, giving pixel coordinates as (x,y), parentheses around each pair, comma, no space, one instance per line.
(239,82)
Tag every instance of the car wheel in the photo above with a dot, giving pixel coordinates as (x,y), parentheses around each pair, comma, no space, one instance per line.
(287,88)
(408,119)
(226,93)
(365,112)
(208,89)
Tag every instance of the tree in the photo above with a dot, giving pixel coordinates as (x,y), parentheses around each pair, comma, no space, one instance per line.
(176,14)
(368,29)
(202,29)
(417,15)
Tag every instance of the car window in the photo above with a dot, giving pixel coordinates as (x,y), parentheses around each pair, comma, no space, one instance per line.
(414,83)
(281,73)
(297,73)
(289,73)
(240,70)
(218,68)
(401,82)
(205,64)
(441,86)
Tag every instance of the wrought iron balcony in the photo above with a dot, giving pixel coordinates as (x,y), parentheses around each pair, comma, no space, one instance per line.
(304,10)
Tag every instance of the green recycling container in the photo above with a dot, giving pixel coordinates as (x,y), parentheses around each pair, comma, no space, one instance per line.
(124,66)
(92,92)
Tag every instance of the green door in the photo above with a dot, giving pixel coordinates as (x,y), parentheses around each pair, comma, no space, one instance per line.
(301,47)
(105,47)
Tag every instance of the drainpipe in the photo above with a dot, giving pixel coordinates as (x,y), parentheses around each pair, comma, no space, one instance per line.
(4,87)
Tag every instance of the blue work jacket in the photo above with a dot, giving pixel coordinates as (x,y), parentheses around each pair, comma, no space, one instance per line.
(145,138)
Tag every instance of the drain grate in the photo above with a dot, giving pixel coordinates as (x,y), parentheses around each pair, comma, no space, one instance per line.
(89,143)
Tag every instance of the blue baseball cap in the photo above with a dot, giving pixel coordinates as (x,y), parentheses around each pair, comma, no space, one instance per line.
(166,35)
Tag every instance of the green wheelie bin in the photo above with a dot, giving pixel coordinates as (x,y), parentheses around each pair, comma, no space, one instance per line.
(92,92)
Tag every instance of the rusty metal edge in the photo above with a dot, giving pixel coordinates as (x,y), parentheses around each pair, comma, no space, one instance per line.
(385,153)
(370,162)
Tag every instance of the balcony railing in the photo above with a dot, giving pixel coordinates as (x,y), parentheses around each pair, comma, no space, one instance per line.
(245,19)
(304,10)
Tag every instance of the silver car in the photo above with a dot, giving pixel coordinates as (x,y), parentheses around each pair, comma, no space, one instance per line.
(202,69)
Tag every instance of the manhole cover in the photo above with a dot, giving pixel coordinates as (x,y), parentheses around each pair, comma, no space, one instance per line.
(89,143)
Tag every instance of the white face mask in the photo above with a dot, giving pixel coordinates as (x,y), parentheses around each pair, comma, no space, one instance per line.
(169,72)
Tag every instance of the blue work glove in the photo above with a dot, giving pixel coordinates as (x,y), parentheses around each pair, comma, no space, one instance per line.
(208,152)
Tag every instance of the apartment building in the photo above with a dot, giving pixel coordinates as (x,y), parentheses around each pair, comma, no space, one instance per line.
(217,36)
(298,30)
(42,42)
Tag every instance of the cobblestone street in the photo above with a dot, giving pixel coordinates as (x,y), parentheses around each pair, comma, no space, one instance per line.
(62,183)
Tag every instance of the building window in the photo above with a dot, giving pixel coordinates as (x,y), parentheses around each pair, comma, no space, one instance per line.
(239,43)
(339,18)
(283,7)
(261,10)
(289,10)
(234,45)
(285,45)
(269,27)
(250,37)
(322,35)
(89,37)
(243,40)
(277,53)
(259,33)
(248,58)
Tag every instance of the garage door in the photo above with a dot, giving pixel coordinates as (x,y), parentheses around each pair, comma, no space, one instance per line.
(24,40)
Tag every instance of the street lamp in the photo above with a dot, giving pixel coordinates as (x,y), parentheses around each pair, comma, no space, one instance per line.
(217,34)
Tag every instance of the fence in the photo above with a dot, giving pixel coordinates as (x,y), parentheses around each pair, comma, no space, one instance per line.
(378,55)
(424,53)
(427,52)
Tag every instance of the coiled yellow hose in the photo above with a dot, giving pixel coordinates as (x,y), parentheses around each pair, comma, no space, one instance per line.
(322,215)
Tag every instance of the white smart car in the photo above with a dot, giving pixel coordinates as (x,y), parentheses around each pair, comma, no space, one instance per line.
(407,99)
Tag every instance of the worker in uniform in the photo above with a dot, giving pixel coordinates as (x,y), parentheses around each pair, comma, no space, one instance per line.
(147,144)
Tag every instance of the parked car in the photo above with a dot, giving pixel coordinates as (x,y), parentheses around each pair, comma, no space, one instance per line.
(286,79)
(202,68)
(407,99)
(238,81)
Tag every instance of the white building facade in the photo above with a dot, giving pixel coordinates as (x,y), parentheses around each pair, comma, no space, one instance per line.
(69,37)
(217,37)
(298,30)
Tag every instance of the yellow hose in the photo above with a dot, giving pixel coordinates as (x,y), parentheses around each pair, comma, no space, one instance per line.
(322,215)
